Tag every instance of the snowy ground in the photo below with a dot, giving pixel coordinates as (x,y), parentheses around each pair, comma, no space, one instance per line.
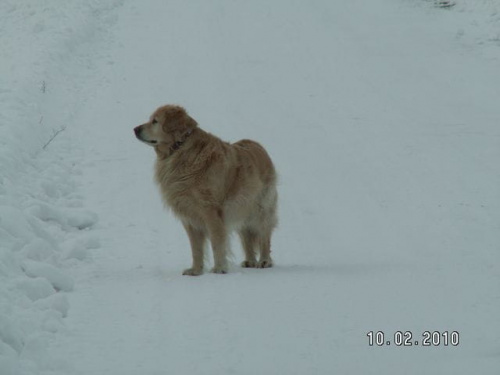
(382,118)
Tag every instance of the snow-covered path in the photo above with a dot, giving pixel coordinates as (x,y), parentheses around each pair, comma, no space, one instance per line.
(385,132)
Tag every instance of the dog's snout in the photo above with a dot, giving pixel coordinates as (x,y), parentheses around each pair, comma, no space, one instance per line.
(137,130)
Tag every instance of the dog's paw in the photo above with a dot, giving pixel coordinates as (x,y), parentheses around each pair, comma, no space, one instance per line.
(219,269)
(265,263)
(192,272)
(249,264)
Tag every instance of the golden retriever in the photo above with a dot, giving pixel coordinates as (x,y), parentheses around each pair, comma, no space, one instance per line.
(213,187)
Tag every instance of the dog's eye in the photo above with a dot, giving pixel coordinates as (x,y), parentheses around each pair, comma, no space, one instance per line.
(154,121)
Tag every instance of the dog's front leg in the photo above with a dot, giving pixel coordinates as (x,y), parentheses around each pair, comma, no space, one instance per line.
(219,240)
(197,238)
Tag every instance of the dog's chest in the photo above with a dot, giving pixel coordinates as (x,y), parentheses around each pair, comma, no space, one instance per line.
(177,192)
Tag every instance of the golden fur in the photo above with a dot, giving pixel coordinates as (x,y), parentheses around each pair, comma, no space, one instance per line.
(213,187)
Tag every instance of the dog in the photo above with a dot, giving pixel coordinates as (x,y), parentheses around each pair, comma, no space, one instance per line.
(213,187)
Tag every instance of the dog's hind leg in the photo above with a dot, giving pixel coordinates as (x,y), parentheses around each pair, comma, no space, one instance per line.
(197,238)
(265,260)
(248,241)
(268,221)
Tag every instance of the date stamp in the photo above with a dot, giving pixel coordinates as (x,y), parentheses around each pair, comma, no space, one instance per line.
(407,338)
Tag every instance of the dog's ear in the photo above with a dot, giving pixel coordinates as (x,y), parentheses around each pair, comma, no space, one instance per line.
(177,120)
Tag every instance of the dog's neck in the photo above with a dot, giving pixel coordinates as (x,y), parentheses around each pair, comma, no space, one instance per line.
(164,154)
(178,144)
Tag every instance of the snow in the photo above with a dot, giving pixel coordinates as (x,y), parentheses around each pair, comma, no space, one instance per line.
(42,219)
(382,119)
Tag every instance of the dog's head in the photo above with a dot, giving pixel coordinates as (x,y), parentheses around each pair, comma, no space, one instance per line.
(167,126)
